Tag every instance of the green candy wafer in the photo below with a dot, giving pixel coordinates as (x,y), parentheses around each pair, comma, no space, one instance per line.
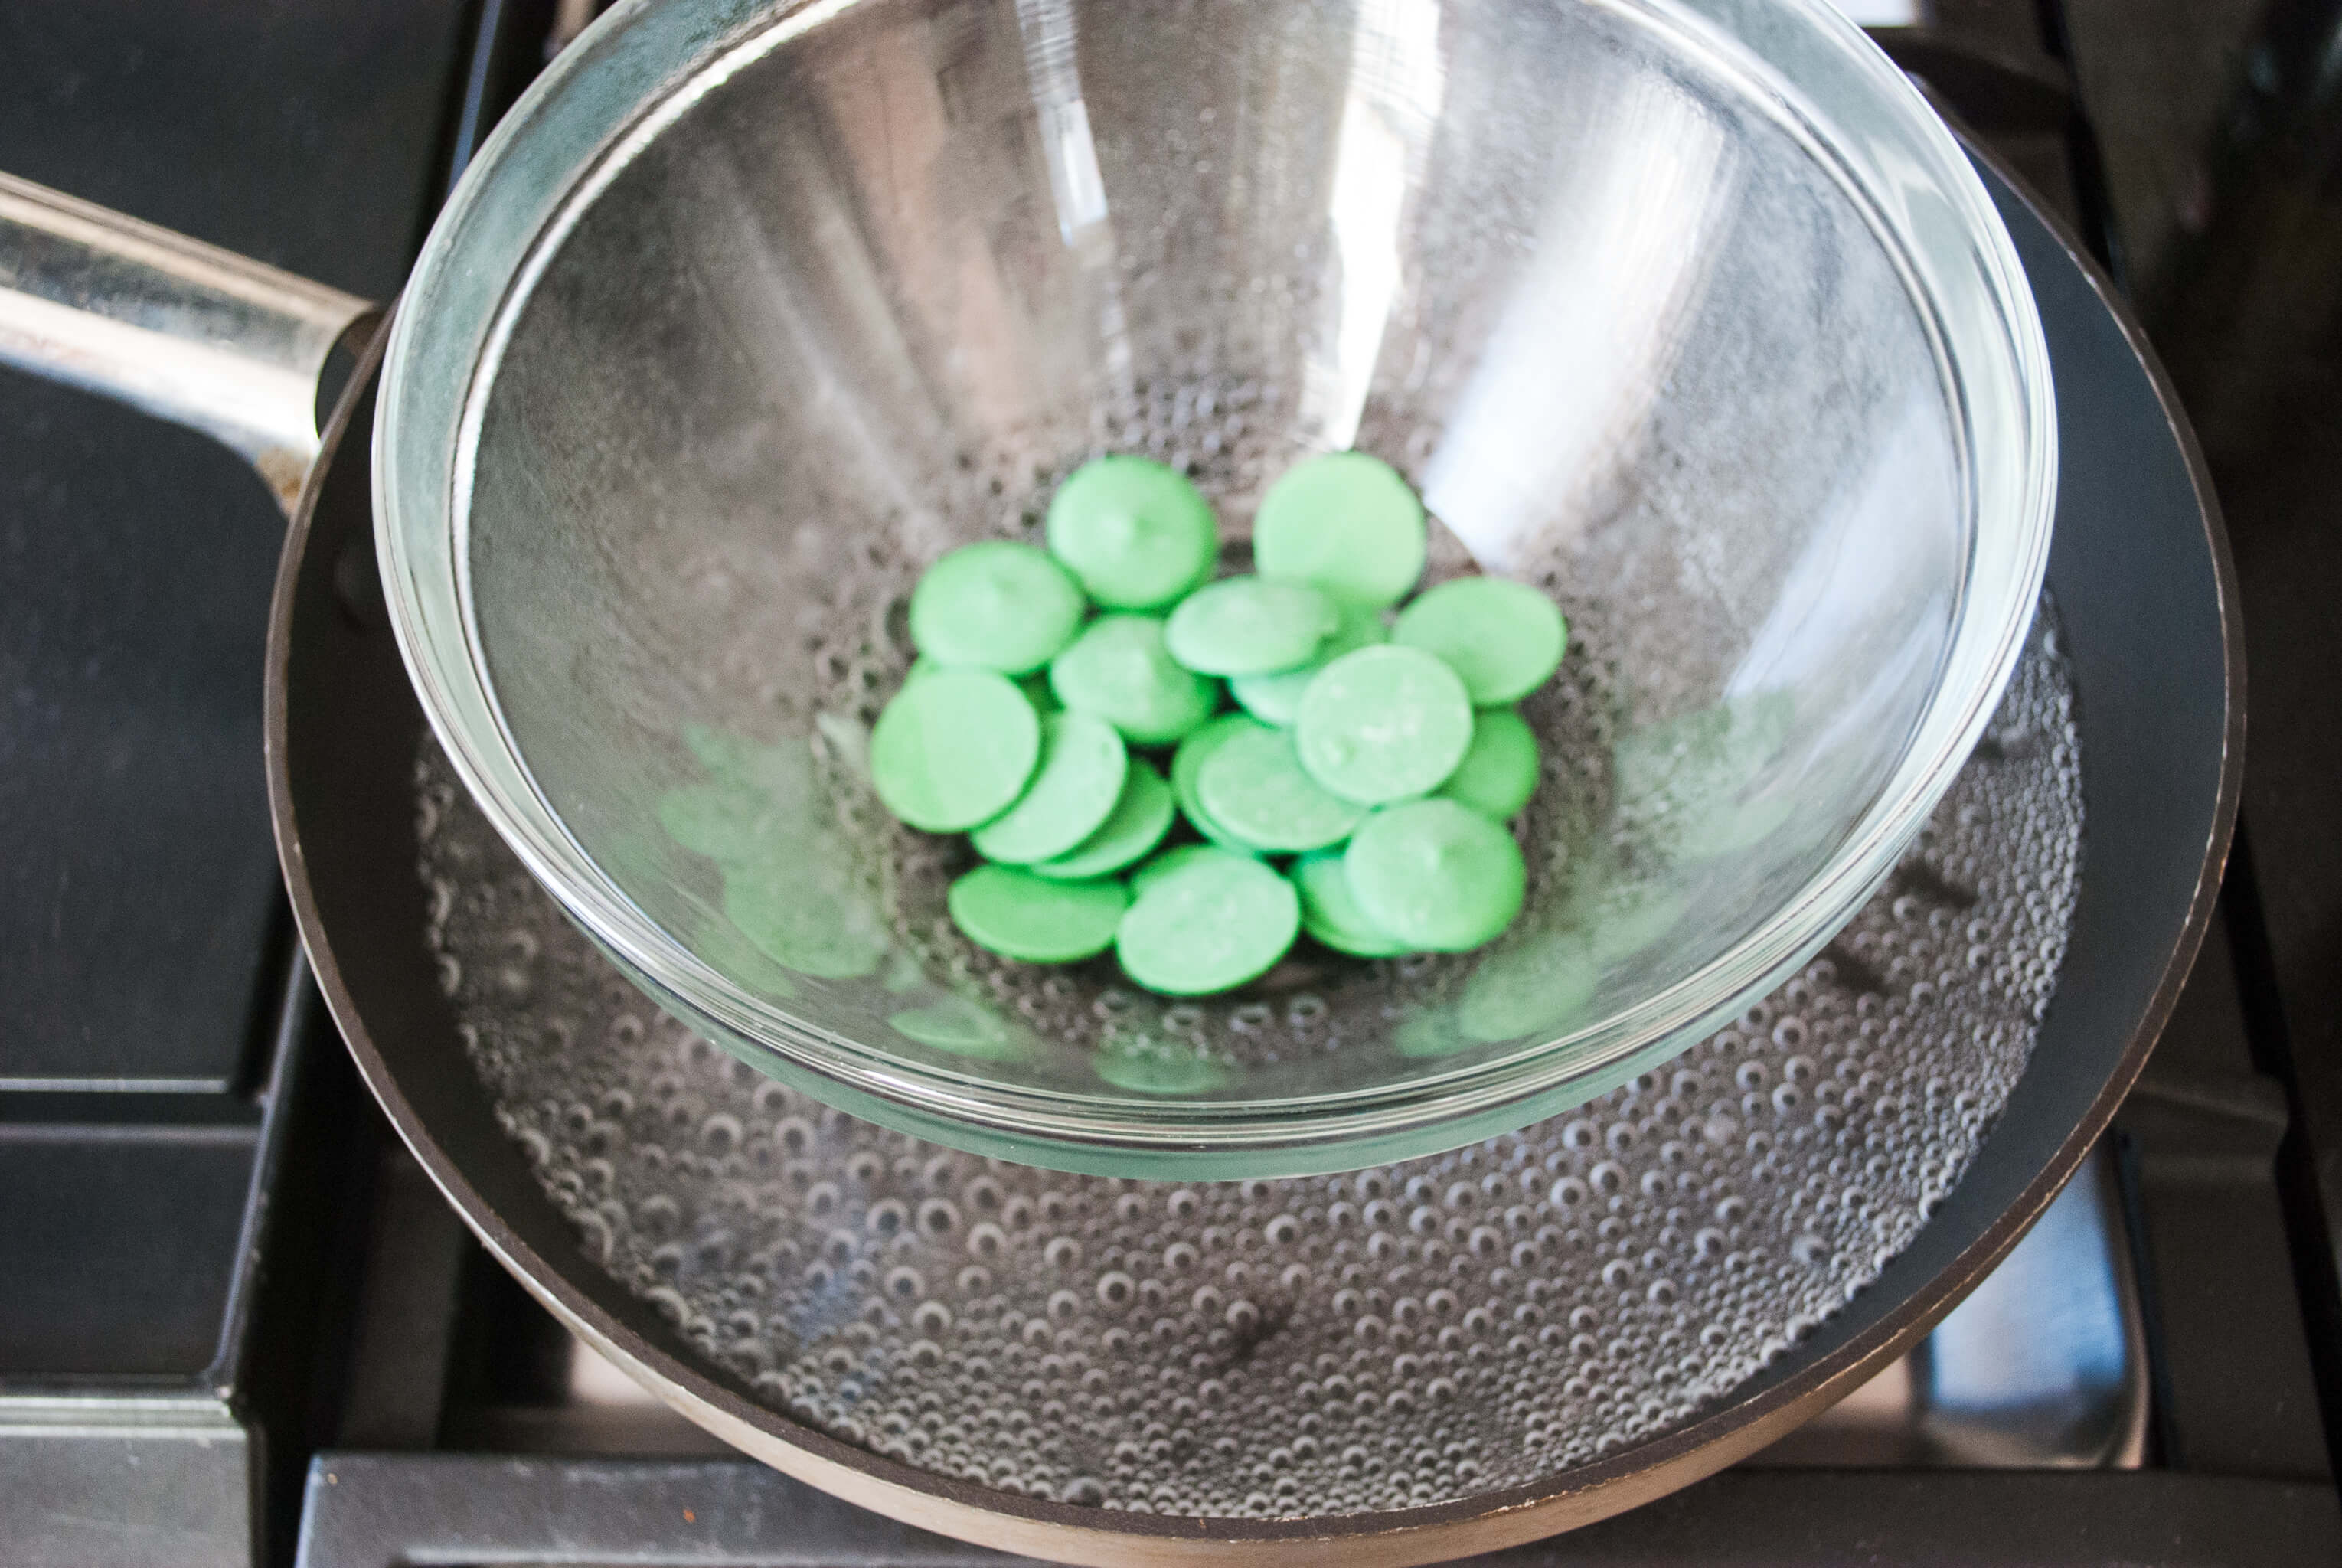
(1187,766)
(1437,875)
(1383,723)
(1344,522)
(1072,792)
(1135,531)
(1330,912)
(1140,819)
(1018,915)
(1209,924)
(1120,670)
(1503,638)
(953,749)
(1255,787)
(1499,769)
(996,605)
(1250,626)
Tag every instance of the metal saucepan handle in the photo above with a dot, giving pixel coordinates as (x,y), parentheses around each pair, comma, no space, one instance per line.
(184,330)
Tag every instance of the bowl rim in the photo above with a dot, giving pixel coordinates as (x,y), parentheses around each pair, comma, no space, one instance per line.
(645,65)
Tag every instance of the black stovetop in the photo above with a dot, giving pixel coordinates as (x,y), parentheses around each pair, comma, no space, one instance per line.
(237,1324)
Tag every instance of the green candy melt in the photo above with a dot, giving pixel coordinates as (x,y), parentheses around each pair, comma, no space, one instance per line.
(1344,522)
(1210,924)
(1435,874)
(1383,723)
(1330,912)
(996,605)
(1139,820)
(1120,670)
(1499,769)
(1276,699)
(1135,533)
(1502,638)
(953,749)
(1254,786)
(1250,626)
(1073,791)
(1187,767)
(1022,916)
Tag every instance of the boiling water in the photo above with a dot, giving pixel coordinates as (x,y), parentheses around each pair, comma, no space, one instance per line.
(1477,1320)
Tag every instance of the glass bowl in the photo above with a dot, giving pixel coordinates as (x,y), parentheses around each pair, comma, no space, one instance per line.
(1692,314)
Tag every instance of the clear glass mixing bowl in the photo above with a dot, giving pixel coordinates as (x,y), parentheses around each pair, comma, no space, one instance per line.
(1688,312)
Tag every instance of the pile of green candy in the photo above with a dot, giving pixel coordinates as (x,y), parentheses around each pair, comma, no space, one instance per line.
(1386,757)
